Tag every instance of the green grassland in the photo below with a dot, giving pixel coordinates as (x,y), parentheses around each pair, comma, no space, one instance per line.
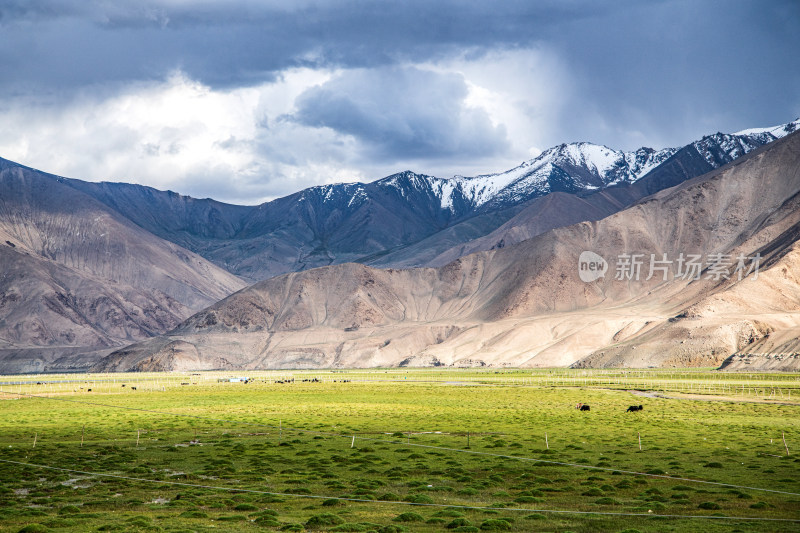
(401,450)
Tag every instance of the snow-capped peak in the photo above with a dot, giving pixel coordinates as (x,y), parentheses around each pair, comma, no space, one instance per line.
(587,166)
(776,131)
(595,157)
(574,166)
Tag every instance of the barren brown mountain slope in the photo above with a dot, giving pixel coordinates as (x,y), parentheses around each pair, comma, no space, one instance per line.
(77,277)
(526,304)
(555,210)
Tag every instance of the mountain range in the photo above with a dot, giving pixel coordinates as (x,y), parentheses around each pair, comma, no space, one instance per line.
(90,268)
(410,219)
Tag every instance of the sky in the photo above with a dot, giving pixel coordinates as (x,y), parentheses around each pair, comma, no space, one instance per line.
(245,101)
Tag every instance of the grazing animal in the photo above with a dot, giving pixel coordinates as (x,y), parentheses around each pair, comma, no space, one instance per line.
(633,408)
(585,407)
(133,388)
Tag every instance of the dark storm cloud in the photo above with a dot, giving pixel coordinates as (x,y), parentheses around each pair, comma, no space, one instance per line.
(680,69)
(70,43)
(634,62)
(441,87)
(402,113)
(626,54)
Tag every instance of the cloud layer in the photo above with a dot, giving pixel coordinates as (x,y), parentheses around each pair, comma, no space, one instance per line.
(246,100)
(402,113)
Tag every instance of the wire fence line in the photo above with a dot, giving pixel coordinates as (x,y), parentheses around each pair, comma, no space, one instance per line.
(763,386)
(385,502)
(349,436)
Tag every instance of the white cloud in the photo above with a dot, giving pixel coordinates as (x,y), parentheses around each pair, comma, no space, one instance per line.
(467,114)
(242,145)
(176,134)
(399,113)
(523,89)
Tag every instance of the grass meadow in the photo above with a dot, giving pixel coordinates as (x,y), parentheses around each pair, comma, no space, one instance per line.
(401,450)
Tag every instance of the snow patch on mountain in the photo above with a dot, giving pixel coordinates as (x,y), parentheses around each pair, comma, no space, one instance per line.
(359,197)
(644,160)
(480,189)
(446,191)
(776,131)
(595,157)
(721,148)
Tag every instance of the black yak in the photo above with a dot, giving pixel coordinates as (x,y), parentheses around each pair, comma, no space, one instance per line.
(633,408)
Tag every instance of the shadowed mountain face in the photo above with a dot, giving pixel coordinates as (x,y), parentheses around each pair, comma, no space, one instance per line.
(79,277)
(525,304)
(184,220)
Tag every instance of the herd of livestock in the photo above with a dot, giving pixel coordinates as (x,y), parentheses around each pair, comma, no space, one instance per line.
(630,409)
